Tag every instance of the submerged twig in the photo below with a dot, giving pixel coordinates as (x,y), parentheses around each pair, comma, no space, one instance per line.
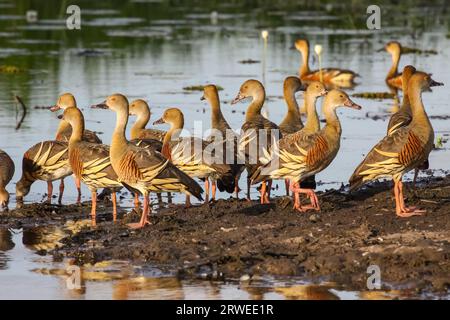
(24,111)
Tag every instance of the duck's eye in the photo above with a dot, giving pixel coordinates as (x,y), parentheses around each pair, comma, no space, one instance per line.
(341,96)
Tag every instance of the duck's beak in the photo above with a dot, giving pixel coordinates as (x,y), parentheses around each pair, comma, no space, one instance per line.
(54,108)
(238,98)
(159,121)
(101,105)
(381,49)
(349,103)
(324,92)
(202,98)
(435,83)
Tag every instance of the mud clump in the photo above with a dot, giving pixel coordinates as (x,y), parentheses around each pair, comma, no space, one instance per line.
(230,238)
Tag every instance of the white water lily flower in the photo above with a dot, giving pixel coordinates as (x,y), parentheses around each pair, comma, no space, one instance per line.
(318,49)
(264,34)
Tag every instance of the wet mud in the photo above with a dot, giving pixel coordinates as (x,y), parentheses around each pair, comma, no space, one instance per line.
(235,239)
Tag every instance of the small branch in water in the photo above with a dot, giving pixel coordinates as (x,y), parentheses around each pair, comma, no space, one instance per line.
(24,111)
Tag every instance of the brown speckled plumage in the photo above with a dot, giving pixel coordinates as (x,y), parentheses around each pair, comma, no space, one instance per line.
(403,150)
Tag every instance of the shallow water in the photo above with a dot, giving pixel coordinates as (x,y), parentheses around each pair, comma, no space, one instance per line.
(26,273)
(146,51)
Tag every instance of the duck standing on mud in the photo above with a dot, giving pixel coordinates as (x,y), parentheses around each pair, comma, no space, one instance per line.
(227,140)
(190,155)
(143,170)
(299,156)
(403,150)
(65,101)
(257,133)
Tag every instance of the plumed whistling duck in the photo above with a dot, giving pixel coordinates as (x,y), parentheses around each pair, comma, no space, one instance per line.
(333,76)
(293,122)
(141,109)
(190,155)
(255,130)
(6,174)
(403,116)
(220,124)
(143,170)
(142,137)
(299,155)
(67,100)
(90,162)
(47,161)
(394,78)
(403,150)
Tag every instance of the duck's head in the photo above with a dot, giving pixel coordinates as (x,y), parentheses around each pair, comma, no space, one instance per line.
(66,100)
(316,89)
(302,45)
(209,92)
(338,98)
(22,189)
(73,116)
(250,88)
(4,199)
(293,84)
(139,107)
(423,81)
(408,71)
(172,116)
(393,47)
(116,102)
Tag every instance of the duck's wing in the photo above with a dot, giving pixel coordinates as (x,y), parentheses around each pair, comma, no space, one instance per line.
(7,168)
(88,136)
(150,168)
(297,156)
(91,136)
(391,157)
(398,120)
(47,160)
(152,134)
(147,143)
(331,75)
(91,163)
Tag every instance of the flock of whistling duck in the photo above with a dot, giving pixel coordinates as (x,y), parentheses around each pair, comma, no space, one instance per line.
(157,161)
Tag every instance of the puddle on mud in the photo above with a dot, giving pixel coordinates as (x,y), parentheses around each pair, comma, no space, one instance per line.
(27,272)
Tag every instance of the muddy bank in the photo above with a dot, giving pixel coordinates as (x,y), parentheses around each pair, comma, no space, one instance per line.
(231,238)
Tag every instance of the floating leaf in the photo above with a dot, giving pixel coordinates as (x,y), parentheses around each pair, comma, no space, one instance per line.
(10,69)
(199,88)
(374,95)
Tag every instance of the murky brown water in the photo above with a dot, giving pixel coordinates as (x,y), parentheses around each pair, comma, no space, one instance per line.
(146,51)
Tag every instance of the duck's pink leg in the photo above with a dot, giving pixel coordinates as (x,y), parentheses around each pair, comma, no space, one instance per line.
(49,191)
(206,190)
(311,194)
(94,208)
(61,191)
(286,184)
(401,209)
